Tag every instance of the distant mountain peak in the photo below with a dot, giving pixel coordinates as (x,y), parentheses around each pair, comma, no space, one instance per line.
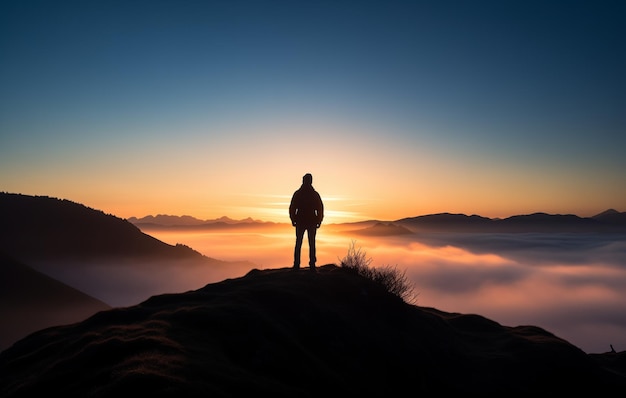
(187,221)
(611,217)
(608,212)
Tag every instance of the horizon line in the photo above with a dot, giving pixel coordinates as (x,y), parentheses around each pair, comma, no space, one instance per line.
(247,219)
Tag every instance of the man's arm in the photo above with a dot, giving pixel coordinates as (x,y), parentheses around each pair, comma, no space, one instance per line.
(292,209)
(320,210)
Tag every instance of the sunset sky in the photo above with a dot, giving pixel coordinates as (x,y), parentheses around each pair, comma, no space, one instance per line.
(397,108)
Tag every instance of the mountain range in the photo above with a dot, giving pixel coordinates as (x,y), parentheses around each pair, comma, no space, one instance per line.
(47,241)
(271,331)
(165,220)
(609,221)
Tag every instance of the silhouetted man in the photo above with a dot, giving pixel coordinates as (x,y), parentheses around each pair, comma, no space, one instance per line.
(306,212)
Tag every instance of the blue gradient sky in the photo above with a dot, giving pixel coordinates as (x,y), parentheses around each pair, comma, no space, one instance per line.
(398,108)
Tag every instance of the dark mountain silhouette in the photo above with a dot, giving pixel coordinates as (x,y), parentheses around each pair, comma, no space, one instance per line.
(610,221)
(299,334)
(40,228)
(542,222)
(446,222)
(104,256)
(213,226)
(165,220)
(30,301)
(611,216)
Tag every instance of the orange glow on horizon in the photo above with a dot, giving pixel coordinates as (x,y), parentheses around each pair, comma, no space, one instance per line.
(361,176)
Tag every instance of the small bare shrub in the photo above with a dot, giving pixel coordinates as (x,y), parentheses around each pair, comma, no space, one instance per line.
(391,278)
(356,259)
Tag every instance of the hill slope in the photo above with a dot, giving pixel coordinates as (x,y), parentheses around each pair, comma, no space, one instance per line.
(296,333)
(41,227)
(99,254)
(30,301)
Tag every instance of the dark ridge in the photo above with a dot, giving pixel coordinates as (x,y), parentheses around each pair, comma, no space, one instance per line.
(217,225)
(609,221)
(164,220)
(446,222)
(611,216)
(90,251)
(41,227)
(542,222)
(31,300)
(298,334)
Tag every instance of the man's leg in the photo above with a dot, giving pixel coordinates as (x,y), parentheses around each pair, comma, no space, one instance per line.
(311,232)
(298,247)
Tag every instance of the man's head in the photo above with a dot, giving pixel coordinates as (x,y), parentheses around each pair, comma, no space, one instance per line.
(307,179)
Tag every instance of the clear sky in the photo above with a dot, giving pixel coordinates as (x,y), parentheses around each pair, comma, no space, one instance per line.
(397,108)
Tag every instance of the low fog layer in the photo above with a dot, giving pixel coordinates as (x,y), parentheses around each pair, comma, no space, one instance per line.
(122,284)
(569,284)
